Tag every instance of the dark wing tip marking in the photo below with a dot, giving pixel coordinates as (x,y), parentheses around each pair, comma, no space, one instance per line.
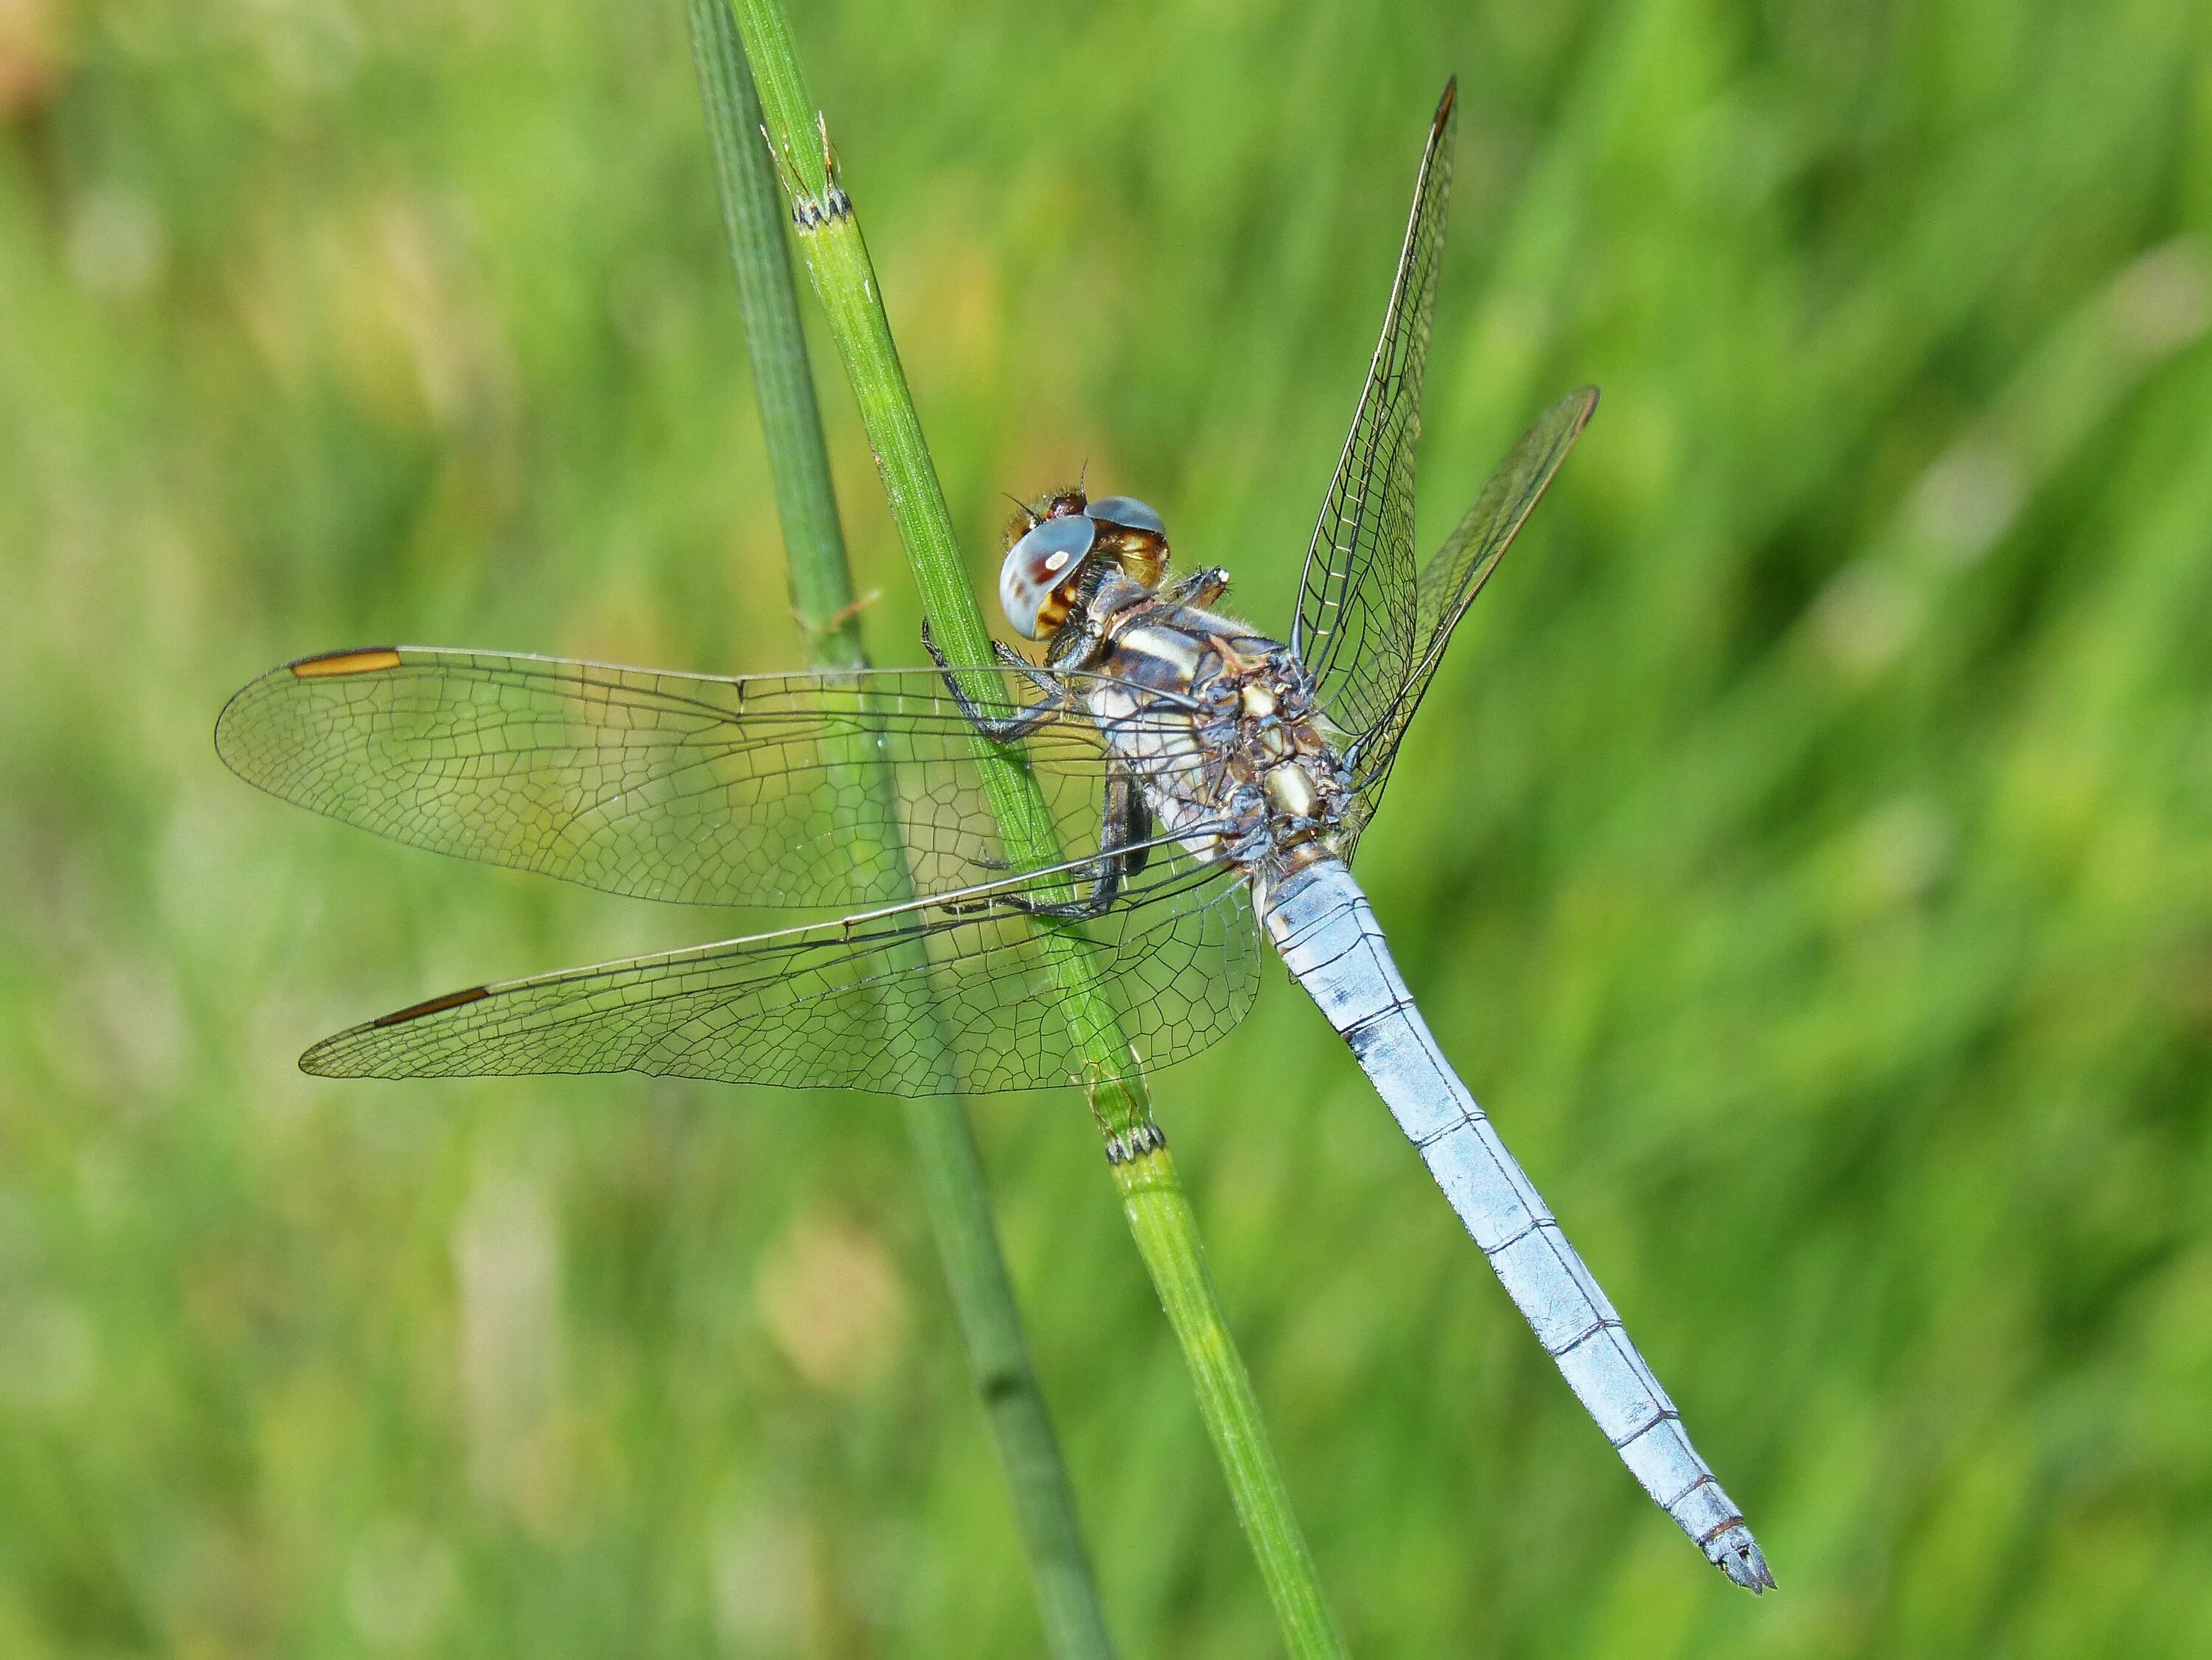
(360,659)
(1445,107)
(452,999)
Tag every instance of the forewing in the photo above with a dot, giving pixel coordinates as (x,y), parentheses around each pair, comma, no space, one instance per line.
(913,1000)
(1357,616)
(1451,578)
(798,790)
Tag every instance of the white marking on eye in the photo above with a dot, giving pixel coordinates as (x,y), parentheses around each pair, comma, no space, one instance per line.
(1055,562)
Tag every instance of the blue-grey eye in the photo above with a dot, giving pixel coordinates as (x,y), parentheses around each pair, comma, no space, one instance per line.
(1128,512)
(1034,581)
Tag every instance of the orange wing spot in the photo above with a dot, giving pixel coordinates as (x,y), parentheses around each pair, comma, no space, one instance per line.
(347,662)
(452,999)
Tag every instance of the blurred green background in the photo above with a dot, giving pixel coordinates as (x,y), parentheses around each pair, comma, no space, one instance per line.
(1806,851)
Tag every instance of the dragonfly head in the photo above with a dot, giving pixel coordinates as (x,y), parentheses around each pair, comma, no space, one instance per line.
(1053,544)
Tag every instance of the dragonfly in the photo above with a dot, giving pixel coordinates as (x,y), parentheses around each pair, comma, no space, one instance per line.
(1214,780)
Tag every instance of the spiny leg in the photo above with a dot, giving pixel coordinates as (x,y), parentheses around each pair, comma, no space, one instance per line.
(999,729)
(1124,848)
(1124,845)
(1200,589)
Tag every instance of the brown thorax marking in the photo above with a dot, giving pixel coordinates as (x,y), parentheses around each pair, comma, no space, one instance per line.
(1234,661)
(1274,750)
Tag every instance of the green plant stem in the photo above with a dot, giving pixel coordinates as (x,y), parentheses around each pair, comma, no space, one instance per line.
(945,1154)
(753,218)
(1158,1214)
(1166,1231)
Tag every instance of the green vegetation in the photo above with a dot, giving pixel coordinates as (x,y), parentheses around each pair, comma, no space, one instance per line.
(1161,1221)
(1803,851)
(947,1163)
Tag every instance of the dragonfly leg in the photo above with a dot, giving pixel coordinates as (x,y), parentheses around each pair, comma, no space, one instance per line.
(1200,588)
(1124,849)
(1124,846)
(1007,728)
(1080,643)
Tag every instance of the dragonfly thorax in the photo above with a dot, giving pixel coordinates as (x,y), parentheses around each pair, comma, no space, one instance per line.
(1219,726)
(1282,780)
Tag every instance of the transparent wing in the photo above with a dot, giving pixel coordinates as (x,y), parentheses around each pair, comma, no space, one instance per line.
(915,1000)
(1451,578)
(759,790)
(1357,615)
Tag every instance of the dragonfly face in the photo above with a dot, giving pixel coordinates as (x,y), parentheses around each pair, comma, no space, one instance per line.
(1054,545)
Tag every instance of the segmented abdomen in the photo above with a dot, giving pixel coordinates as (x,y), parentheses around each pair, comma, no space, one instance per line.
(1322,923)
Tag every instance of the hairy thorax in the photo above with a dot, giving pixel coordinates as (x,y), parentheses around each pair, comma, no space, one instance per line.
(1219,726)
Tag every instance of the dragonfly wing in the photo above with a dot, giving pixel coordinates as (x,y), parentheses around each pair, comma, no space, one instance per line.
(798,789)
(915,1000)
(1357,615)
(1455,574)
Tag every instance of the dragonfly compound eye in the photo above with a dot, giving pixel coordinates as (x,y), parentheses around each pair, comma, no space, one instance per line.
(1039,575)
(1134,534)
(1128,512)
